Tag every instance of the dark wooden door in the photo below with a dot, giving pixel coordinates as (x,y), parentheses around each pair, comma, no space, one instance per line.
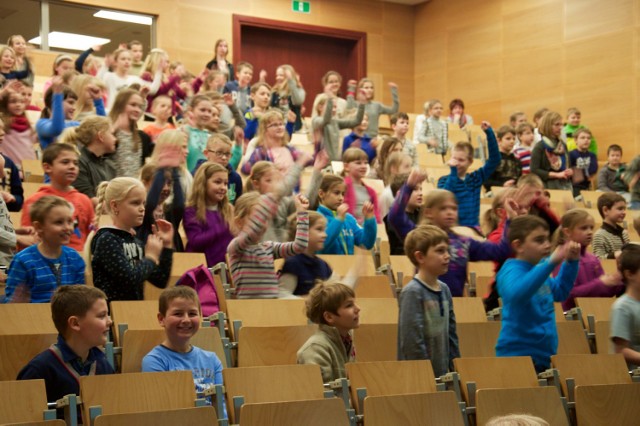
(311,50)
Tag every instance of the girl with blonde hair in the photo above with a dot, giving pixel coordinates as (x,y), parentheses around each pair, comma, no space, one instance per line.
(288,94)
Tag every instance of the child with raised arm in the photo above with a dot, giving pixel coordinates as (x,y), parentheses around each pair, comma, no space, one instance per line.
(467,186)
(333,307)
(412,210)
(610,175)
(441,209)
(287,93)
(209,215)
(625,314)
(81,316)
(611,237)
(528,291)
(372,109)
(251,261)
(330,125)
(583,162)
(509,169)
(577,225)
(426,323)
(41,268)
(180,315)
(120,263)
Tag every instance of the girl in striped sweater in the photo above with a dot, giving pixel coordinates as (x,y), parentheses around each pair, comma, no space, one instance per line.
(250,260)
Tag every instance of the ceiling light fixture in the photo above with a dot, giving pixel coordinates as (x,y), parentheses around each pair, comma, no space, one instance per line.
(71,41)
(124,17)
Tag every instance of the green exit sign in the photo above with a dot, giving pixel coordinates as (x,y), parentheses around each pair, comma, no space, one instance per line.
(301,6)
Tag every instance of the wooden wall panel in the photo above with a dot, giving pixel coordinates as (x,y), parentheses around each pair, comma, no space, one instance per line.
(553,53)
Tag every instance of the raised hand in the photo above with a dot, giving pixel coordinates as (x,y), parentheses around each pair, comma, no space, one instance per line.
(263,75)
(368,210)
(163,230)
(94,91)
(393,85)
(361,97)
(57,84)
(485,125)
(153,248)
(611,280)
(342,210)
(321,161)
(170,156)
(291,116)
(228,99)
(304,158)
(416,177)
(301,202)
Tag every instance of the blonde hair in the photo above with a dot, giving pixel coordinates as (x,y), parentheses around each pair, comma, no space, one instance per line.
(517,420)
(169,138)
(79,86)
(87,131)
(13,52)
(569,221)
(258,171)
(283,88)
(117,190)
(266,119)
(430,104)
(435,199)
(39,210)
(153,59)
(490,219)
(387,146)
(545,127)
(245,203)
(394,160)
(322,100)
(198,197)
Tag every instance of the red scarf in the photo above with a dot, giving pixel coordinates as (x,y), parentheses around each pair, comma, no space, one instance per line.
(20,123)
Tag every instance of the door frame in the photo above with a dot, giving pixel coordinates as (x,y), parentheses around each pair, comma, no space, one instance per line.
(241,21)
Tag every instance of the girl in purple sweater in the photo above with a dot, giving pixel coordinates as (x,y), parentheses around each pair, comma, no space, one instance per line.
(441,209)
(208,214)
(577,225)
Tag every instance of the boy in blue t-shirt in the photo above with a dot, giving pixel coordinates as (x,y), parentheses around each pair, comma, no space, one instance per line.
(180,316)
(528,291)
(583,162)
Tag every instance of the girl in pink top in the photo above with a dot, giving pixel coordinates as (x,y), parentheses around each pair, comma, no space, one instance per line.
(20,137)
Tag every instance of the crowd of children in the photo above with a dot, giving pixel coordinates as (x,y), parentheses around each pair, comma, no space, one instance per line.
(118,197)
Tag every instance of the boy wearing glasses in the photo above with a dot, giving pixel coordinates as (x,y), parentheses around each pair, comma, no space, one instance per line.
(218,150)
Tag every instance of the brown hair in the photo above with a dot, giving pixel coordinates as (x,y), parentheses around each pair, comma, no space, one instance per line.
(573,110)
(326,297)
(258,170)
(72,301)
(490,218)
(523,128)
(314,217)
(581,131)
(52,152)
(538,114)
(39,210)
(505,130)
(545,127)
(629,260)
(176,292)
(119,105)
(421,239)
(434,200)
(608,199)
(394,160)
(514,117)
(198,196)
(464,146)
(385,150)
(522,226)
(569,220)
(399,116)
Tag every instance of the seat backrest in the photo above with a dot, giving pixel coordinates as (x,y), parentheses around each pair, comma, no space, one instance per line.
(478,339)
(262,346)
(17,350)
(320,412)
(608,404)
(376,286)
(26,318)
(503,372)
(599,307)
(469,309)
(137,343)
(376,342)
(543,402)
(222,298)
(610,266)
(603,341)
(557,307)
(572,338)
(595,369)
(402,264)
(390,378)
(137,314)
(378,311)
(341,264)
(272,384)
(22,400)
(181,263)
(184,416)
(482,269)
(137,392)
(421,409)
(266,312)
(38,423)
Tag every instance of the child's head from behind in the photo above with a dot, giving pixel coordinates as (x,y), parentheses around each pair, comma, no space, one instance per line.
(462,153)
(171,142)
(60,162)
(629,264)
(331,192)
(573,116)
(529,238)
(614,155)
(441,208)
(161,107)
(636,224)
(123,198)
(538,115)
(491,218)
(218,149)
(333,304)
(317,231)
(517,420)
(210,187)
(94,131)
(397,163)
(52,218)
(80,312)
(356,163)
(525,134)
(582,137)
(517,118)
(262,177)
(612,207)
(179,314)
(427,247)
(433,108)
(575,225)
(244,207)
(506,139)
(400,124)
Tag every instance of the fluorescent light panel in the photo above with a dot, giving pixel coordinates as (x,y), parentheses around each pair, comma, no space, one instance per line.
(71,41)
(125,17)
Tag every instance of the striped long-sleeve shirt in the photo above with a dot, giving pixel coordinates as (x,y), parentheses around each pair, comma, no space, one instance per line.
(251,261)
